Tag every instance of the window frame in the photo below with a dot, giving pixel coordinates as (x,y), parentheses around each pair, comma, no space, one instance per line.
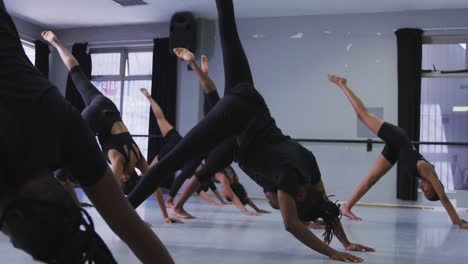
(121,77)
(446,39)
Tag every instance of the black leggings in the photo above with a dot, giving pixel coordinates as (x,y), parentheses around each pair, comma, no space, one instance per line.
(100,112)
(87,90)
(187,172)
(229,118)
(210,100)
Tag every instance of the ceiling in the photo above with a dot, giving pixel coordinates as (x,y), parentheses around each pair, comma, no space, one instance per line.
(59,14)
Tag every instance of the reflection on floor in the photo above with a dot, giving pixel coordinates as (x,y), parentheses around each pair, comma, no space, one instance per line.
(224,235)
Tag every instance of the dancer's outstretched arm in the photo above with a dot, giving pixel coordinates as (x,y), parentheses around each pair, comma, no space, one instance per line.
(68,59)
(298,229)
(427,172)
(125,222)
(163,124)
(371,121)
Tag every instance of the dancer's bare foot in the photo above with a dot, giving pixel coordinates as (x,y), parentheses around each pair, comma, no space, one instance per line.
(204,64)
(145,92)
(181,213)
(169,202)
(347,212)
(340,81)
(185,55)
(49,36)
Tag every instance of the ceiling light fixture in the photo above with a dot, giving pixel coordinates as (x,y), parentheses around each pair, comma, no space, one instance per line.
(460,109)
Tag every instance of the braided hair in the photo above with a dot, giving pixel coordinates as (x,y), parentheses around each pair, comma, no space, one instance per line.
(315,206)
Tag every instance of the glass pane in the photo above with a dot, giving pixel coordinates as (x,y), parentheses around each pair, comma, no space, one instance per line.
(30,52)
(136,110)
(139,63)
(444,56)
(111,89)
(142,143)
(105,64)
(440,122)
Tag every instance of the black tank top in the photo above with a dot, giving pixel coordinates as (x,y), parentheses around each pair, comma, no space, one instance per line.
(123,143)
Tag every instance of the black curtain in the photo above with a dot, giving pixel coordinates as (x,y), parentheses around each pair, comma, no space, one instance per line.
(79,50)
(42,57)
(164,91)
(409,42)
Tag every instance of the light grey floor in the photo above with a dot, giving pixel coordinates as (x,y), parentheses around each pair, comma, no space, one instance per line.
(222,235)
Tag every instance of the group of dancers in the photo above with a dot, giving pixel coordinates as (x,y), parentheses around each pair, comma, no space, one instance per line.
(42,132)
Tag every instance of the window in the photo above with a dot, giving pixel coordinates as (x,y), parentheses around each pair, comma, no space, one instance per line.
(119,73)
(444,96)
(30,50)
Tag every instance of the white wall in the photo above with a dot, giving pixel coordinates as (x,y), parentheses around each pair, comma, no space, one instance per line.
(291,75)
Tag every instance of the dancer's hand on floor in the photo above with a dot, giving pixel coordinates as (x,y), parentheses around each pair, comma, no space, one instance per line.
(248,213)
(261,211)
(359,248)
(345,257)
(170,220)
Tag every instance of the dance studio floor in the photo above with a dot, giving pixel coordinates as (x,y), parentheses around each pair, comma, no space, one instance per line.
(222,235)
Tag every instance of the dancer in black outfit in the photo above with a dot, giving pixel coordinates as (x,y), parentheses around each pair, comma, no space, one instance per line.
(41,132)
(231,187)
(262,151)
(172,137)
(398,148)
(105,121)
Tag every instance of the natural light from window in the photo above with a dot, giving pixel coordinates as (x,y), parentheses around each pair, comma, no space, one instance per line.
(122,83)
(30,50)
